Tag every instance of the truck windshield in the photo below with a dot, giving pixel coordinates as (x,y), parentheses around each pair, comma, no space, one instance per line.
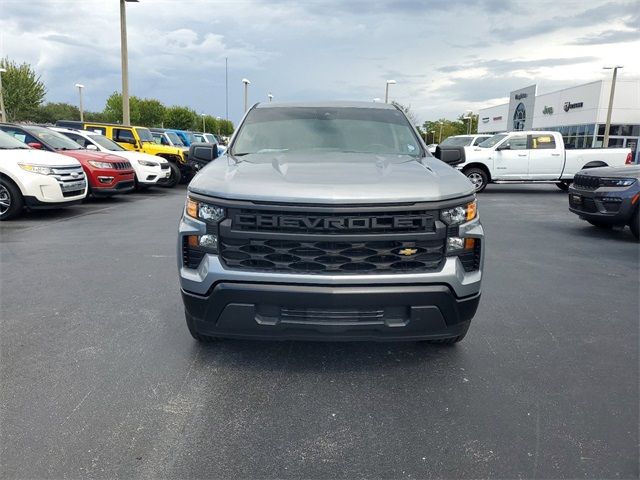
(145,134)
(339,129)
(7,142)
(107,143)
(491,141)
(457,141)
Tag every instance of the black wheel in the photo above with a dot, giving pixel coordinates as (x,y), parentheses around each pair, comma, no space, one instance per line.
(11,201)
(195,334)
(602,225)
(634,224)
(451,340)
(174,178)
(478,177)
(564,186)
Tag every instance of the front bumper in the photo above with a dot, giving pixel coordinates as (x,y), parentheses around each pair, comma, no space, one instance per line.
(612,205)
(249,304)
(151,175)
(311,312)
(123,186)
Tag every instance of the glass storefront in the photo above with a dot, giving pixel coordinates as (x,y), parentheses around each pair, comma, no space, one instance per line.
(584,136)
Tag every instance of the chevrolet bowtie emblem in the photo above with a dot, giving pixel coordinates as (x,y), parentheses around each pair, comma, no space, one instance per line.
(407,252)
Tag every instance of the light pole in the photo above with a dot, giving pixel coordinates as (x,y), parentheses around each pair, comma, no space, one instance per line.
(386,90)
(79,86)
(607,127)
(468,117)
(3,115)
(270,97)
(124,54)
(440,134)
(218,119)
(433,136)
(204,129)
(246,93)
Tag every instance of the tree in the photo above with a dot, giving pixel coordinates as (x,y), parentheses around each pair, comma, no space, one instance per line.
(407,111)
(152,112)
(181,118)
(22,89)
(52,112)
(113,109)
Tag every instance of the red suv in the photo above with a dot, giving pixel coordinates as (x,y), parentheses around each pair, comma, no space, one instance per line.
(107,174)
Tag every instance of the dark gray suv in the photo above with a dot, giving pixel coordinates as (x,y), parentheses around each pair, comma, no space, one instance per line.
(607,196)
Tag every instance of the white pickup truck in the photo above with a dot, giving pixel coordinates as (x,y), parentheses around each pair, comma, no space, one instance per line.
(532,156)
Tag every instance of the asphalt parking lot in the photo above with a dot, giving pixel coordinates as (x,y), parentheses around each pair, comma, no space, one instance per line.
(100,377)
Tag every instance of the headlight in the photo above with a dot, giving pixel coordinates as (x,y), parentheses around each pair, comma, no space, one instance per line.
(459,215)
(97,164)
(36,168)
(616,182)
(204,211)
(147,163)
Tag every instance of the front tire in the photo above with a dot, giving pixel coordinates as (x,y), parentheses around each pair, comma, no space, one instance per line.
(175,176)
(11,201)
(478,177)
(564,186)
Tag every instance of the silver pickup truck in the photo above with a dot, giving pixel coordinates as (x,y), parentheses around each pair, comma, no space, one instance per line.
(329,221)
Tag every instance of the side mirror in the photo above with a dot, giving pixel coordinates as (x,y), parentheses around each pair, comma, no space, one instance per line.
(504,146)
(91,146)
(450,155)
(36,145)
(202,153)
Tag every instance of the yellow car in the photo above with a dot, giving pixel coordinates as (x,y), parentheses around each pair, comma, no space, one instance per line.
(138,139)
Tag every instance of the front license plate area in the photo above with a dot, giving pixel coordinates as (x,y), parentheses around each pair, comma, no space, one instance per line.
(71,186)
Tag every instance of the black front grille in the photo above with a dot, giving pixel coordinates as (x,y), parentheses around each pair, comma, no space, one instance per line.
(586,182)
(72,193)
(124,185)
(332,257)
(326,315)
(164,166)
(122,165)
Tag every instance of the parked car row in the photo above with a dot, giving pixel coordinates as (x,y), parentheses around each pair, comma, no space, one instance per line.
(49,167)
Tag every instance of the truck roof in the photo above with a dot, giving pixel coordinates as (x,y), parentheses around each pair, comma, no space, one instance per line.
(334,104)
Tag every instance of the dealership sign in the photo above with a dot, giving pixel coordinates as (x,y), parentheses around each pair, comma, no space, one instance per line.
(485,119)
(570,106)
(547,110)
(520,96)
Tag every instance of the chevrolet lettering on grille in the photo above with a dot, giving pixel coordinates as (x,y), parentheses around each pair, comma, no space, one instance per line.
(328,223)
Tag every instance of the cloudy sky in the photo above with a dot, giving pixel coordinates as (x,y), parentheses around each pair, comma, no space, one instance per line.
(447,56)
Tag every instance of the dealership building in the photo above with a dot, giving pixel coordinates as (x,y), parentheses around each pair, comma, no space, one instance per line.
(579,113)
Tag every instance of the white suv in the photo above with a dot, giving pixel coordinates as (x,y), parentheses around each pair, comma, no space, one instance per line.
(36,179)
(150,170)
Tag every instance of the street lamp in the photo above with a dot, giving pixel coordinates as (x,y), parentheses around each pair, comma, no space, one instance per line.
(607,127)
(386,91)
(246,93)
(204,129)
(79,86)
(124,53)
(3,115)
(270,97)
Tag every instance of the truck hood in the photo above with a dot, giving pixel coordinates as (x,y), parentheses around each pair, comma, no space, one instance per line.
(330,178)
(39,157)
(627,171)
